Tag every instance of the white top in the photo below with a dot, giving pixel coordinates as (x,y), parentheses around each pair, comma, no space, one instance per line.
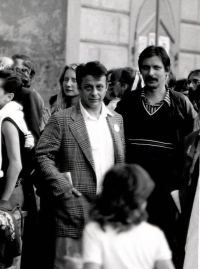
(101,142)
(140,247)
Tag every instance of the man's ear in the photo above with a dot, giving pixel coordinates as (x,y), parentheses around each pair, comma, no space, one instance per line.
(10,97)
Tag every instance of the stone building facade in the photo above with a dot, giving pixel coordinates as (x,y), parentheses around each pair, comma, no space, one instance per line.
(112,31)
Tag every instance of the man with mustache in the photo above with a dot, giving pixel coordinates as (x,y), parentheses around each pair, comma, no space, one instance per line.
(156,120)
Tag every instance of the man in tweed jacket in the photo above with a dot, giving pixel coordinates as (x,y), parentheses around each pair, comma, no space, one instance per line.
(85,140)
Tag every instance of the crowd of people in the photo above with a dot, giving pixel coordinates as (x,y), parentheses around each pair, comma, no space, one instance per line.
(108,174)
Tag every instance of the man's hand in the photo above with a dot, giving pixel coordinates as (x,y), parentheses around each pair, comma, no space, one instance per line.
(74,190)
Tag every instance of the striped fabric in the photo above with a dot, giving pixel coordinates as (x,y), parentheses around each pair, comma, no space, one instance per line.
(151,109)
(65,147)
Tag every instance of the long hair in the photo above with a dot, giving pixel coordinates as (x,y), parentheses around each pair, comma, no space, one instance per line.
(121,202)
(61,98)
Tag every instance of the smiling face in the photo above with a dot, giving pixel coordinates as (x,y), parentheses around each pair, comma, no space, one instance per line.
(92,92)
(69,83)
(153,72)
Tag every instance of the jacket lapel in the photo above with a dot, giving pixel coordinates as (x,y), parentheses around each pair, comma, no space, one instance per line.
(79,130)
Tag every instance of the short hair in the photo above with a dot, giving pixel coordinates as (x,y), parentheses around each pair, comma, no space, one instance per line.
(28,62)
(95,69)
(155,51)
(125,189)
(12,83)
(194,72)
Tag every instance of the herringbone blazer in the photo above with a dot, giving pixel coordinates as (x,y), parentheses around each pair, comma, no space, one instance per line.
(65,147)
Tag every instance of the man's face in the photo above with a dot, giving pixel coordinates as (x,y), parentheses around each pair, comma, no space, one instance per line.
(21,68)
(193,81)
(92,91)
(153,72)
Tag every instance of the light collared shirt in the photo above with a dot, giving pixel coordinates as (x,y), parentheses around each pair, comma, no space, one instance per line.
(101,142)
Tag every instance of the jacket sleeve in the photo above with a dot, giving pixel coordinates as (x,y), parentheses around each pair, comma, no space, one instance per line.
(191,115)
(33,107)
(47,156)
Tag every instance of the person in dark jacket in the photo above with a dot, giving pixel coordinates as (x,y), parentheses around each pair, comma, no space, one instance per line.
(156,120)
(30,99)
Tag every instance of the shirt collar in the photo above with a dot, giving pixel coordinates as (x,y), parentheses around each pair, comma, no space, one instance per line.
(104,112)
(166,98)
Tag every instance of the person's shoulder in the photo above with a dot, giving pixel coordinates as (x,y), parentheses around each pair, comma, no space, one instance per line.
(93,226)
(179,97)
(128,101)
(116,115)
(192,136)
(150,228)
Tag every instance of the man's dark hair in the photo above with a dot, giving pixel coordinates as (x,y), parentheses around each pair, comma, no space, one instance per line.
(28,62)
(11,83)
(194,72)
(95,69)
(155,51)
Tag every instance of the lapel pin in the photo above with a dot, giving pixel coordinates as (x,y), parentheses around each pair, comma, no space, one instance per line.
(116,127)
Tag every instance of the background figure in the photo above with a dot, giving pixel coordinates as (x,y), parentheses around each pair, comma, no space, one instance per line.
(113,99)
(30,99)
(171,80)
(118,235)
(193,82)
(128,81)
(68,94)
(109,94)
(181,86)
(15,157)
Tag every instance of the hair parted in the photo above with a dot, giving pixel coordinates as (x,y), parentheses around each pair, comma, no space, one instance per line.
(155,51)
(125,189)
(95,69)
(61,98)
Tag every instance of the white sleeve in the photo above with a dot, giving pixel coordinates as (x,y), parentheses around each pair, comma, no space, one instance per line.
(163,250)
(91,244)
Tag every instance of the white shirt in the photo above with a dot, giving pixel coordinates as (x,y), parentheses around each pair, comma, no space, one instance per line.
(101,142)
(140,247)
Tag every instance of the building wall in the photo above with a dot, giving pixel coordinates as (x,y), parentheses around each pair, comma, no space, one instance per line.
(104,32)
(57,32)
(189,57)
(38,29)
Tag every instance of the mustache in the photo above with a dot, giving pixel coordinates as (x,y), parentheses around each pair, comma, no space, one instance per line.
(150,78)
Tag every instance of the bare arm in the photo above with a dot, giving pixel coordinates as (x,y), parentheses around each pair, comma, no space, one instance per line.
(12,142)
(165,264)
